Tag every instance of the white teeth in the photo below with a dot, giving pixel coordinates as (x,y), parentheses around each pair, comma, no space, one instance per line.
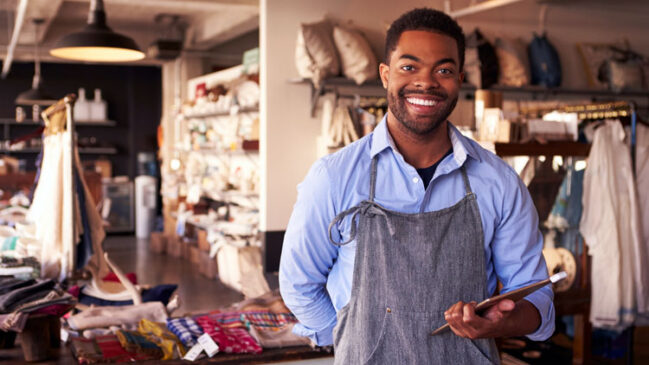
(423,102)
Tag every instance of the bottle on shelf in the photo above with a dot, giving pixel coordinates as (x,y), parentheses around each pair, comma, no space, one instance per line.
(81,109)
(98,108)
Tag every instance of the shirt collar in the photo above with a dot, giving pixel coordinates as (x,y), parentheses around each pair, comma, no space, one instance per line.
(381,139)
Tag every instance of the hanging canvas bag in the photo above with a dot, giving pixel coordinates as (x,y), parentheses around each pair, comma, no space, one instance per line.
(483,70)
(545,65)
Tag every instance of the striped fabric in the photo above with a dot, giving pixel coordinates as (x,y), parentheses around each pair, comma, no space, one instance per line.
(228,319)
(267,321)
(186,329)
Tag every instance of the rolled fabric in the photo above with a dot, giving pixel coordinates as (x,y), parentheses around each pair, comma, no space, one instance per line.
(116,316)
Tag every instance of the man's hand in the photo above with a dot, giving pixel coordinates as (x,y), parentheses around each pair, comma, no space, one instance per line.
(506,318)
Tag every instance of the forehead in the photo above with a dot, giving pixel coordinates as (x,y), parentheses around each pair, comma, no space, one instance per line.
(425,45)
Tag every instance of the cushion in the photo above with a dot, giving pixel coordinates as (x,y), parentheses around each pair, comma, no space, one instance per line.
(512,59)
(356,57)
(315,53)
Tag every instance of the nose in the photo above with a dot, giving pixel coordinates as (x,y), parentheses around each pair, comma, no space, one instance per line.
(426,80)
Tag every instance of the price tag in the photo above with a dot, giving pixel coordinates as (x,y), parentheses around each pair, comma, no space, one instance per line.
(64,335)
(211,348)
(193,353)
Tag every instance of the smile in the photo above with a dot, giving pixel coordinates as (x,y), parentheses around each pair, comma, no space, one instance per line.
(423,102)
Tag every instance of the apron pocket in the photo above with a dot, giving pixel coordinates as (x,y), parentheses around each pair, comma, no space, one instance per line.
(376,354)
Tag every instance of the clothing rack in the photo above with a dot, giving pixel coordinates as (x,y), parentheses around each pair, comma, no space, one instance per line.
(600,111)
(56,125)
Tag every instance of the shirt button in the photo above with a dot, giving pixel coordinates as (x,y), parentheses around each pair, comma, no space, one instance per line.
(388,310)
(415,180)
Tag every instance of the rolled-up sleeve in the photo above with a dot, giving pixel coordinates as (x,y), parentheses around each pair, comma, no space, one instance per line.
(307,258)
(517,253)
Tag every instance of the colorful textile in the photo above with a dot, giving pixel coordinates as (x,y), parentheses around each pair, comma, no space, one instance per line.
(85,351)
(112,350)
(186,329)
(230,340)
(267,320)
(133,342)
(228,319)
(158,333)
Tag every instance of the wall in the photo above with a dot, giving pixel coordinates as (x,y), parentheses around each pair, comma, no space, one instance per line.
(133,94)
(289,148)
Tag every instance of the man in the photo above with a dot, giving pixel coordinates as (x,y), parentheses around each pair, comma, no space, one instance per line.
(423,222)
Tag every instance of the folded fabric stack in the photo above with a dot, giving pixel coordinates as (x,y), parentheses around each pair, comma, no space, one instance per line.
(230,340)
(20,298)
(137,332)
(151,341)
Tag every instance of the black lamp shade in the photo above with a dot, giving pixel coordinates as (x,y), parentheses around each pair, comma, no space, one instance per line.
(97,42)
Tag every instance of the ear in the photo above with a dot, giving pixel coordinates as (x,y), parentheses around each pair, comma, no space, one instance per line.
(461,77)
(384,72)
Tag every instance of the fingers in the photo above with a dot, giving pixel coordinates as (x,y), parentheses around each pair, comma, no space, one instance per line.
(463,320)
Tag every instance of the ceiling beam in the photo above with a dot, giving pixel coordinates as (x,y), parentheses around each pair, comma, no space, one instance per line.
(198,5)
(18,25)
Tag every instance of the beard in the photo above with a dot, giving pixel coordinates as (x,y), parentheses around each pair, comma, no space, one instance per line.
(421,125)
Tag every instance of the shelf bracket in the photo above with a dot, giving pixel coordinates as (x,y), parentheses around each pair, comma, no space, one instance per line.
(316,93)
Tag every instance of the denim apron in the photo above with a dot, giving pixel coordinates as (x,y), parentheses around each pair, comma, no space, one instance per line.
(409,269)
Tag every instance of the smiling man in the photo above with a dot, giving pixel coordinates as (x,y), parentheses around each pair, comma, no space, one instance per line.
(407,228)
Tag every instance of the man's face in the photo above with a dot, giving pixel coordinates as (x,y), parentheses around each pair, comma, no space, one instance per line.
(422,80)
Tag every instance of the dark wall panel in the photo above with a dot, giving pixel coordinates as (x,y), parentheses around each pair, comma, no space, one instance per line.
(133,93)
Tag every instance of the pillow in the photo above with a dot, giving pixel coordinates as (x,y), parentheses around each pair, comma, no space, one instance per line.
(624,76)
(512,59)
(315,53)
(356,56)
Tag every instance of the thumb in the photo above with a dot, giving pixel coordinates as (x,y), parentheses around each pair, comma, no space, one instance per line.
(500,310)
(506,305)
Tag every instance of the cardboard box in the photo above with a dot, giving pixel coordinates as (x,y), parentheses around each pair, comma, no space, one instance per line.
(194,255)
(158,242)
(203,245)
(206,265)
(169,225)
(186,248)
(174,246)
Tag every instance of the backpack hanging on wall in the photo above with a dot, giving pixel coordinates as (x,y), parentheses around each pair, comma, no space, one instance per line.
(545,65)
(488,68)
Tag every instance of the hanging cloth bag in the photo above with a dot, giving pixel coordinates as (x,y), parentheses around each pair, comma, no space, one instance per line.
(545,65)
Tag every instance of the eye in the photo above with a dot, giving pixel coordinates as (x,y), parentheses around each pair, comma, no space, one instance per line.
(407,68)
(446,71)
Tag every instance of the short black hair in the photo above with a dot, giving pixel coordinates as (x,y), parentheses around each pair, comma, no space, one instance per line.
(424,19)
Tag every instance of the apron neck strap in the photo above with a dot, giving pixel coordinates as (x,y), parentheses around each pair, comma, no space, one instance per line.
(375,161)
(465,177)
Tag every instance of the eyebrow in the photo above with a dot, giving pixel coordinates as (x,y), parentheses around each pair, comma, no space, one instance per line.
(417,59)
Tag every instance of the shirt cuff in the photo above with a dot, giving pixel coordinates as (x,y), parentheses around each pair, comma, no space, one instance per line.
(542,300)
(321,338)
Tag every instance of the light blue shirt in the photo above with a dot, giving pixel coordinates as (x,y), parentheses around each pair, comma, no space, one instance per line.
(315,276)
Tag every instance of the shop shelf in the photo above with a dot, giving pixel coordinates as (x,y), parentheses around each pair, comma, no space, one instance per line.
(82,150)
(30,122)
(558,148)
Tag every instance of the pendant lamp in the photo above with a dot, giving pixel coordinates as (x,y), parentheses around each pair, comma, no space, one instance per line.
(97,42)
(35,95)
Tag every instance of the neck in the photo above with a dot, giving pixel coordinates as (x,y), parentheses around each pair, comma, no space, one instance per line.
(420,151)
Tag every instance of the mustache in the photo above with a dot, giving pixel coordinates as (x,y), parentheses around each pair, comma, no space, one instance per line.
(432,92)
